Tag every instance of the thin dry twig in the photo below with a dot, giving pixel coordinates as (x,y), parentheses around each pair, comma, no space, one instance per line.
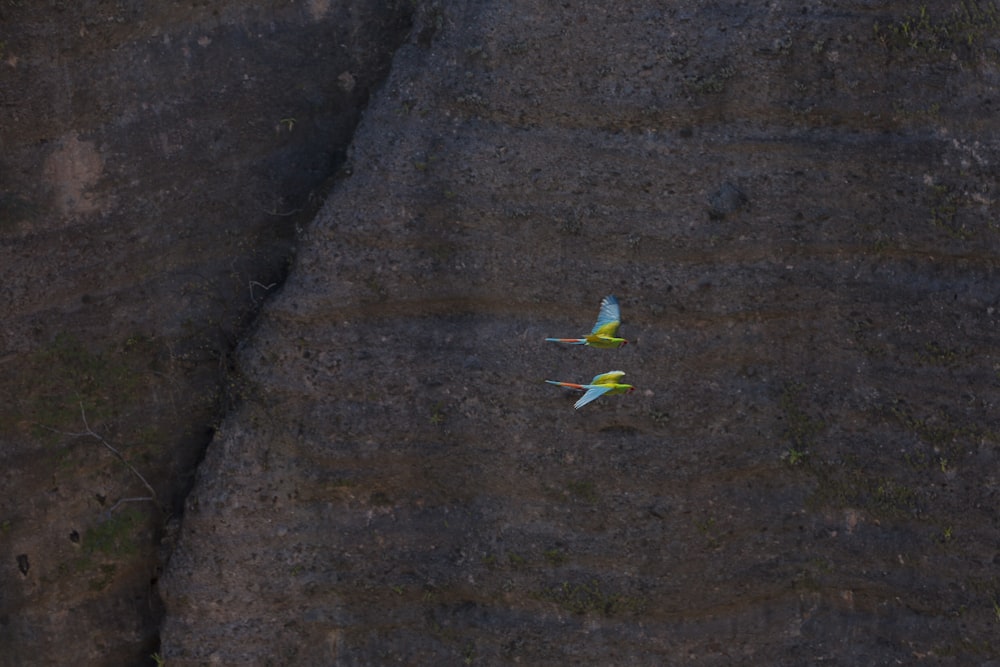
(275,211)
(266,288)
(139,499)
(90,432)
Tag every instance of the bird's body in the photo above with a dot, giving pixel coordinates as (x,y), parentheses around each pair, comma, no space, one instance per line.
(605,383)
(604,335)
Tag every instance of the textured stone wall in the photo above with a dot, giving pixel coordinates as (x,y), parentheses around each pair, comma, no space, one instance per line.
(155,160)
(795,206)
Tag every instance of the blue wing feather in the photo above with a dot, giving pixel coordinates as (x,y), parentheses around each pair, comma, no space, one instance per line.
(593,393)
(610,312)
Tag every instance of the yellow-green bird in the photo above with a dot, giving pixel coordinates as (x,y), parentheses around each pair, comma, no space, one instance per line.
(604,333)
(605,383)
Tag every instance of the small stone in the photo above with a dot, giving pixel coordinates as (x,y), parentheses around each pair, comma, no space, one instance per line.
(726,200)
(346,81)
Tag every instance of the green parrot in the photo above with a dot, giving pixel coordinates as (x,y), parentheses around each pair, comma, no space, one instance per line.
(605,383)
(603,333)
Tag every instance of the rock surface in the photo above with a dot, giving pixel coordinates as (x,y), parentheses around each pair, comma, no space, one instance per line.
(156,158)
(795,204)
(796,207)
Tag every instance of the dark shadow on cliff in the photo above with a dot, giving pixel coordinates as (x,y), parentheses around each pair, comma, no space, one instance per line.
(159,163)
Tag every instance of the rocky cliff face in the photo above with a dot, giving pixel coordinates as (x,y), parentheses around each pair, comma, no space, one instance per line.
(156,159)
(795,206)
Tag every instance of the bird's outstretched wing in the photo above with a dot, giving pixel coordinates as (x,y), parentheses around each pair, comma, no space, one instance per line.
(609,318)
(611,377)
(592,394)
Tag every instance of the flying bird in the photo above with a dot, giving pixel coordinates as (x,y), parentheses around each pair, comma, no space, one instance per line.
(603,335)
(605,383)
